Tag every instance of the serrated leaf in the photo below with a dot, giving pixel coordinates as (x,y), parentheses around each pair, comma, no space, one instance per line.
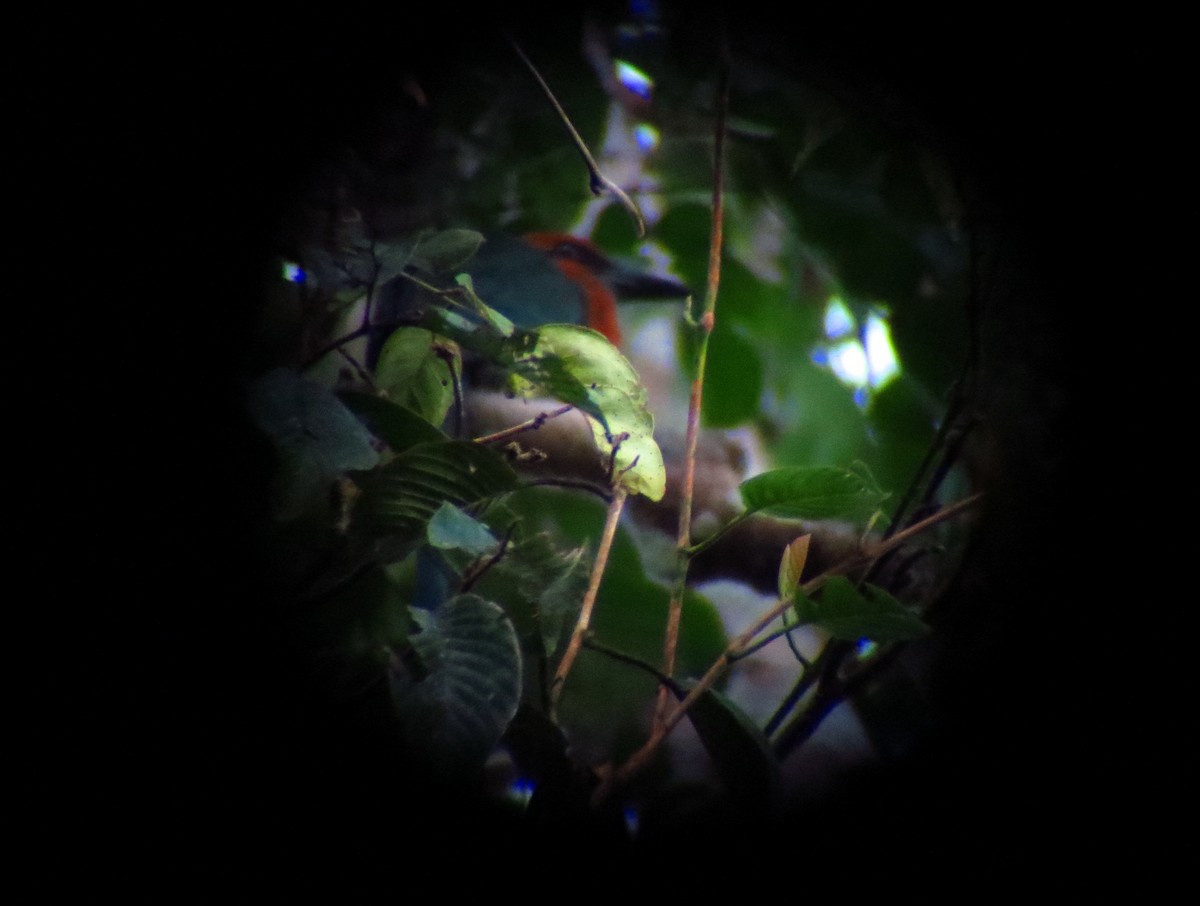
(740,751)
(317,437)
(398,427)
(822,492)
(845,613)
(401,497)
(791,565)
(581,367)
(455,715)
(413,375)
(452,529)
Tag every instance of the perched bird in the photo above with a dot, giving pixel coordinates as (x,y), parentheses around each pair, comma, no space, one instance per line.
(542,278)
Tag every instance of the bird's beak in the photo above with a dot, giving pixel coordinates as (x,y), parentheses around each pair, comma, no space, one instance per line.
(630,285)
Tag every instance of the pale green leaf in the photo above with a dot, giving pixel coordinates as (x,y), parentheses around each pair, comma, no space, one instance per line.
(581,367)
(413,375)
(791,565)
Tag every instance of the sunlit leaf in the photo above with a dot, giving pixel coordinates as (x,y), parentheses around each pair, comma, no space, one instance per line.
(844,612)
(822,492)
(456,713)
(791,565)
(413,375)
(581,367)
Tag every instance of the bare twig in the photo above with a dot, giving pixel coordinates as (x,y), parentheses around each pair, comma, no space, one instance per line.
(589,598)
(597,181)
(532,424)
(705,326)
(737,646)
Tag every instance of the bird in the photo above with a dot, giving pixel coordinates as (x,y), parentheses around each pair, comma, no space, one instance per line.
(541,277)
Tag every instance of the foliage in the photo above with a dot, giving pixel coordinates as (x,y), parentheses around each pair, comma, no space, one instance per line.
(442,565)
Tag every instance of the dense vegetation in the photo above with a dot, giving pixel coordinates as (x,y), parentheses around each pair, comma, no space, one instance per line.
(361,687)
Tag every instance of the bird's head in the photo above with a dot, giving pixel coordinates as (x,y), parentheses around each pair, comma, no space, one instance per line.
(601,281)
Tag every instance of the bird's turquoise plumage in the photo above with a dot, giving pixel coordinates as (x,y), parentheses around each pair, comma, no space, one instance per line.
(536,279)
(523,283)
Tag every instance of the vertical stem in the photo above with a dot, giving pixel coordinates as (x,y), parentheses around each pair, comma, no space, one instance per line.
(589,598)
(704,327)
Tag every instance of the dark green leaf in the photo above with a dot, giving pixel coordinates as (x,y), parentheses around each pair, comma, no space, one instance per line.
(317,437)
(402,496)
(733,380)
(456,713)
(740,752)
(397,426)
(447,251)
(813,493)
(390,260)
(844,612)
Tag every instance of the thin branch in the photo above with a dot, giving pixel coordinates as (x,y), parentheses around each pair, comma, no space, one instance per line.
(597,181)
(575,484)
(589,641)
(707,320)
(737,646)
(532,424)
(481,570)
(335,345)
(589,598)
(357,366)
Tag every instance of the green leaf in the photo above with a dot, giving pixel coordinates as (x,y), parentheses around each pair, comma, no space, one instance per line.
(740,752)
(452,529)
(560,601)
(446,251)
(500,323)
(791,565)
(541,587)
(350,637)
(391,259)
(317,437)
(581,367)
(605,701)
(455,715)
(733,379)
(845,613)
(822,492)
(401,497)
(398,427)
(413,375)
